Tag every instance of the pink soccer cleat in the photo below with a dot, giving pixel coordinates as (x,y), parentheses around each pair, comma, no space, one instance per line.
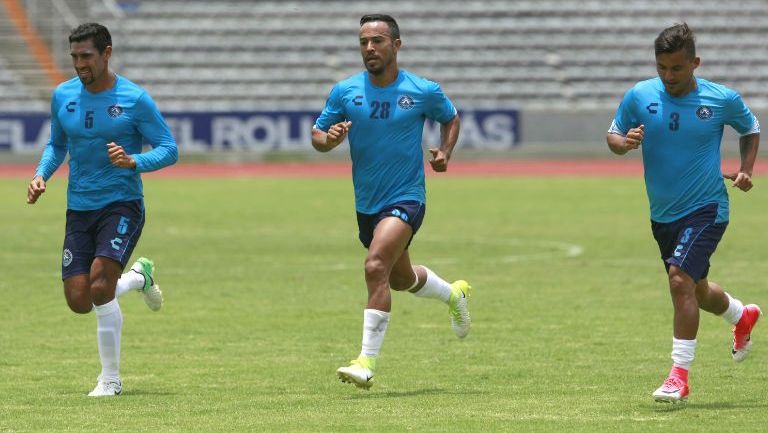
(743,330)
(673,390)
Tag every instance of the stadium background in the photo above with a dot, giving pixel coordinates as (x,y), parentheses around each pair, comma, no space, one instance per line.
(246,78)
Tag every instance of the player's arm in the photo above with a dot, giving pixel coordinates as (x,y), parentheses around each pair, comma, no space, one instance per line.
(324,141)
(621,144)
(622,136)
(439,107)
(739,117)
(53,156)
(449,135)
(332,126)
(151,125)
(748,145)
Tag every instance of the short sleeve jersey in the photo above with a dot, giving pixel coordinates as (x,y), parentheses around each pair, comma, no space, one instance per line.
(83,123)
(386,134)
(681,145)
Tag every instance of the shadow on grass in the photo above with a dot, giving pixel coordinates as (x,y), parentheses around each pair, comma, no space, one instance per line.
(412,393)
(142,392)
(754,404)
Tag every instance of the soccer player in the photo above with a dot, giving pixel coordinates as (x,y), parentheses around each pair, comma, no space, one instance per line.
(101,119)
(677,120)
(383,110)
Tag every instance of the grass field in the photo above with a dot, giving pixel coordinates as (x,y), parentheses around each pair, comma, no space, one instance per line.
(264,296)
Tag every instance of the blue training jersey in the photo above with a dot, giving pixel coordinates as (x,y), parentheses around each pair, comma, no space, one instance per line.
(386,134)
(681,145)
(83,123)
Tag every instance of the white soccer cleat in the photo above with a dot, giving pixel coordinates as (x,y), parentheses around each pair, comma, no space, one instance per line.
(458,308)
(153,297)
(359,372)
(107,388)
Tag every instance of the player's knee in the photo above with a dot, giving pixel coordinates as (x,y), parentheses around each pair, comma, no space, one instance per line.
(80,304)
(78,295)
(375,268)
(101,292)
(679,284)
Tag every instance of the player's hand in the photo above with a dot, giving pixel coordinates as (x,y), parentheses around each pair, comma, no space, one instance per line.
(337,133)
(741,180)
(634,137)
(119,158)
(35,189)
(439,161)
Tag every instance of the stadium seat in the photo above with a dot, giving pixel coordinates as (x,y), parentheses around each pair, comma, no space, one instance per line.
(525,53)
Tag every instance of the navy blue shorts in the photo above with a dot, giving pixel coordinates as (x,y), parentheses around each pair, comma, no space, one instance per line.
(111,231)
(689,242)
(410,211)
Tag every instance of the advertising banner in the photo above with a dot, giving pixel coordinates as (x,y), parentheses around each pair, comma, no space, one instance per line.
(264,131)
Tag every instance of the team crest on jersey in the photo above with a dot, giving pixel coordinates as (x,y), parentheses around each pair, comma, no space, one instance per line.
(115,111)
(704,112)
(405,102)
(66,260)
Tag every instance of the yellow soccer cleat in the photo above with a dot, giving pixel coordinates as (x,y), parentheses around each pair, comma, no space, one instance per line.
(458,307)
(359,372)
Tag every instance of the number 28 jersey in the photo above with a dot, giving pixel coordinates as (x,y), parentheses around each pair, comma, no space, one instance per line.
(386,134)
(681,145)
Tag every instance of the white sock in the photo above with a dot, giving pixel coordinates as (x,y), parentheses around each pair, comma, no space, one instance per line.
(435,287)
(683,352)
(733,313)
(374,326)
(130,280)
(109,325)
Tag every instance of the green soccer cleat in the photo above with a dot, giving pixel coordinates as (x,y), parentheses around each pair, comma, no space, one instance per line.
(153,297)
(458,307)
(360,372)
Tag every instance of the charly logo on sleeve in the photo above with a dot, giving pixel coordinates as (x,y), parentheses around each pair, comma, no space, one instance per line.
(115,111)
(704,112)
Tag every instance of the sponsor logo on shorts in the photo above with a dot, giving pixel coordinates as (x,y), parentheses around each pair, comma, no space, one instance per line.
(400,214)
(67,258)
(122,226)
(704,112)
(405,102)
(116,242)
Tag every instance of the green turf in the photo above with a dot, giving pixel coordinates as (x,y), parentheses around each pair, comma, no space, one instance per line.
(264,295)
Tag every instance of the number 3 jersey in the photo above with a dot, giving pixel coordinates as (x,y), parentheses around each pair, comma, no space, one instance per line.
(386,134)
(83,123)
(681,145)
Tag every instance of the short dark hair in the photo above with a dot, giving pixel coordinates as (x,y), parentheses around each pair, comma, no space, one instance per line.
(100,35)
(676,38)
(394,30)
